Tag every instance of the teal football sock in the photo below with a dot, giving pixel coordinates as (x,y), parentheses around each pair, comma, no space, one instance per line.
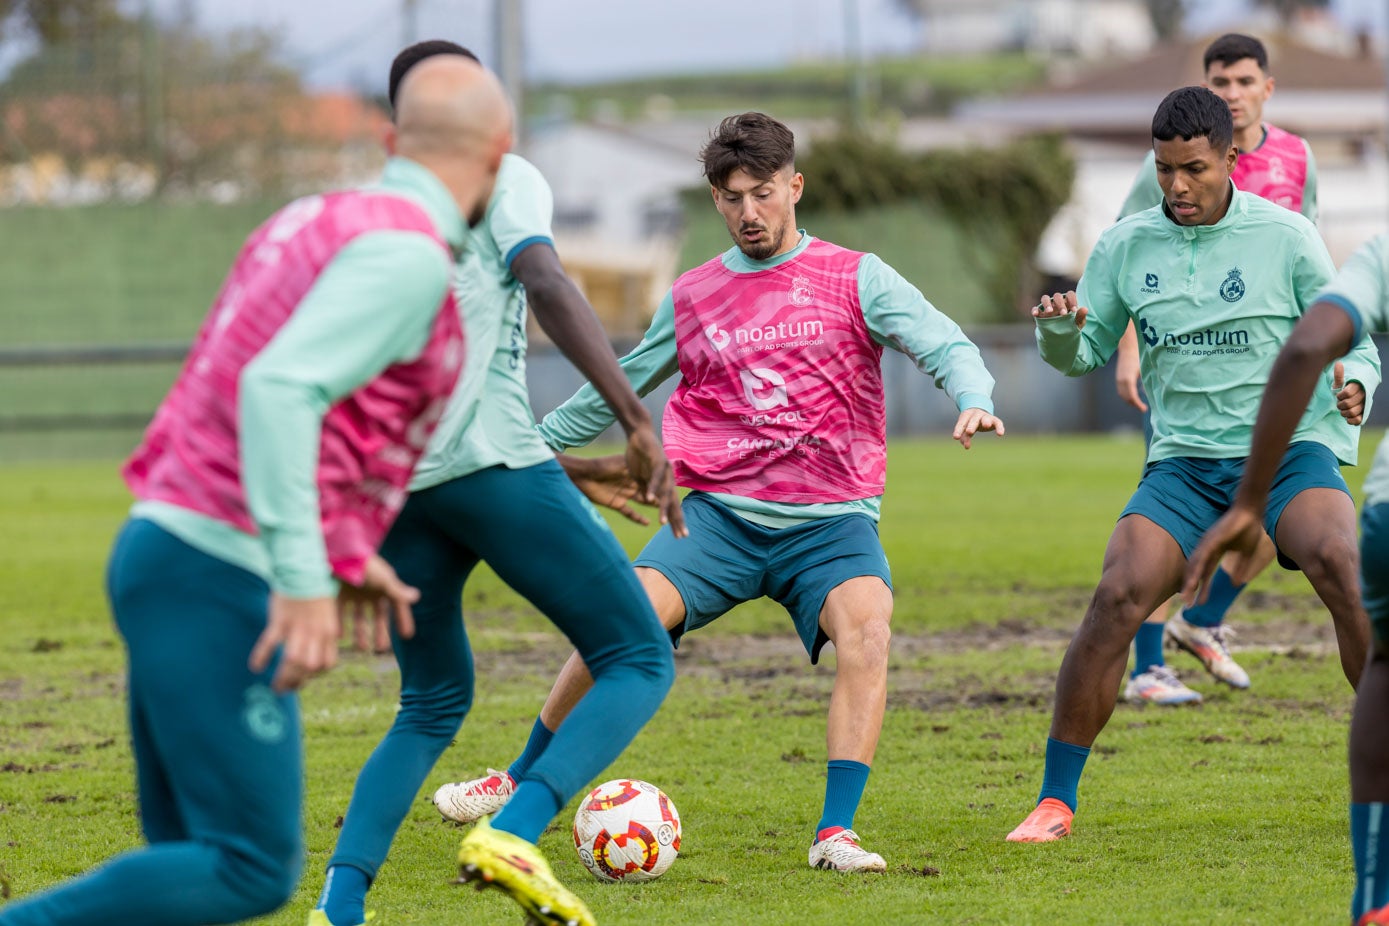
(1061,774)
(1223,593)
(344,895)
(1147,648)
(844,784)
(540,738)
(1369,843)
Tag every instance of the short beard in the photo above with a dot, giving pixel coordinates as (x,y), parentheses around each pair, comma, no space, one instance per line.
(765,249)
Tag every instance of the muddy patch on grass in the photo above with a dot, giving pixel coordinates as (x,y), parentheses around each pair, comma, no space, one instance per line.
(751,659)
(774,669)
(770,662)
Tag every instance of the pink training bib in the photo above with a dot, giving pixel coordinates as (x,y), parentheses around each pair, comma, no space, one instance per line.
(370,439)
(1276,170)
(781,391)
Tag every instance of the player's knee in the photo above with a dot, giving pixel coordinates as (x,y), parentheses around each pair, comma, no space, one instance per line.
(1116,596)
(1333,557)
(264,879)
(267,895)
(876,635)
(437,712)
(866,638)
(655,657)
(662,669)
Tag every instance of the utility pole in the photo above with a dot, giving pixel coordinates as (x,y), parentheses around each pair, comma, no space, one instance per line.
(853,57)
(152,91)
(409,22)
(509,20)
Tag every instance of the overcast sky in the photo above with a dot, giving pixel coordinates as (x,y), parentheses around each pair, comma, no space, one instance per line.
(351,42)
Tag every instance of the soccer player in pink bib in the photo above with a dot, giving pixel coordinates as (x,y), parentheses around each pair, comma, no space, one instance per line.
(270,473)
(777,428)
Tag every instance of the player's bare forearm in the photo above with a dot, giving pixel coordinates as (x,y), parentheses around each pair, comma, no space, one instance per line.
(1324,334)
(565,315)
(606,481)
(1127,369)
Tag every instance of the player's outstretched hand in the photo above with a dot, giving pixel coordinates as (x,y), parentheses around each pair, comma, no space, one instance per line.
(371,606)
(605,481)
(1239,531)
(973,420)
(1350,397)
(1059,305)
(371,630)
(647,463)
(308,630)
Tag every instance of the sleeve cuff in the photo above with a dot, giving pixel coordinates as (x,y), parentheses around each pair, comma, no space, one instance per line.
(525,243)
(305,586)
(975,400)
(1358,320)
(555,445)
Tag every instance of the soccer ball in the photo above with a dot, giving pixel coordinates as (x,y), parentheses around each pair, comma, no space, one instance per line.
(627,830)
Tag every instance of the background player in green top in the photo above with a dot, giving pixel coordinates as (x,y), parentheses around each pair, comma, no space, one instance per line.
(1356,302)
(1215,280)
(488,488)
(1278,166)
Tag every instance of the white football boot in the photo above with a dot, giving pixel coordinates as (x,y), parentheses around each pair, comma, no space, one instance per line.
(469,801)
(1208,644)
(840,851)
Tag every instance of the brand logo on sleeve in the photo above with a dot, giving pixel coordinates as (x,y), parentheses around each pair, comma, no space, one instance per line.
(1232,290)
(757,382)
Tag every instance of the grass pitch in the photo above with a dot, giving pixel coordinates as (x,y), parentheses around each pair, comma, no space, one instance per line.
(1230,812)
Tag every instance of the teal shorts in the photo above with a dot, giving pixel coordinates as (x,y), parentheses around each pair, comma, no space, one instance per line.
(1374,567)
(1186,495)
(728,559)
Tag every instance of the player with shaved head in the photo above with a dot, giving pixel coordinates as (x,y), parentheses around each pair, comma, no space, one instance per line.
(269,476)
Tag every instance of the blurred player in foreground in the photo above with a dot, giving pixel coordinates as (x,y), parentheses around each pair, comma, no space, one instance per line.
(1356,302)
(1215,280)
(273,469)
(777,427)
(489,490)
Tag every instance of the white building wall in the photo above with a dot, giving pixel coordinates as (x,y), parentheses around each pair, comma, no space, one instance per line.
(1088,28)
(612,177)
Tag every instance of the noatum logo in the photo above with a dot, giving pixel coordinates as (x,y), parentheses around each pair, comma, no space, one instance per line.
(781,331)
(1208,337)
